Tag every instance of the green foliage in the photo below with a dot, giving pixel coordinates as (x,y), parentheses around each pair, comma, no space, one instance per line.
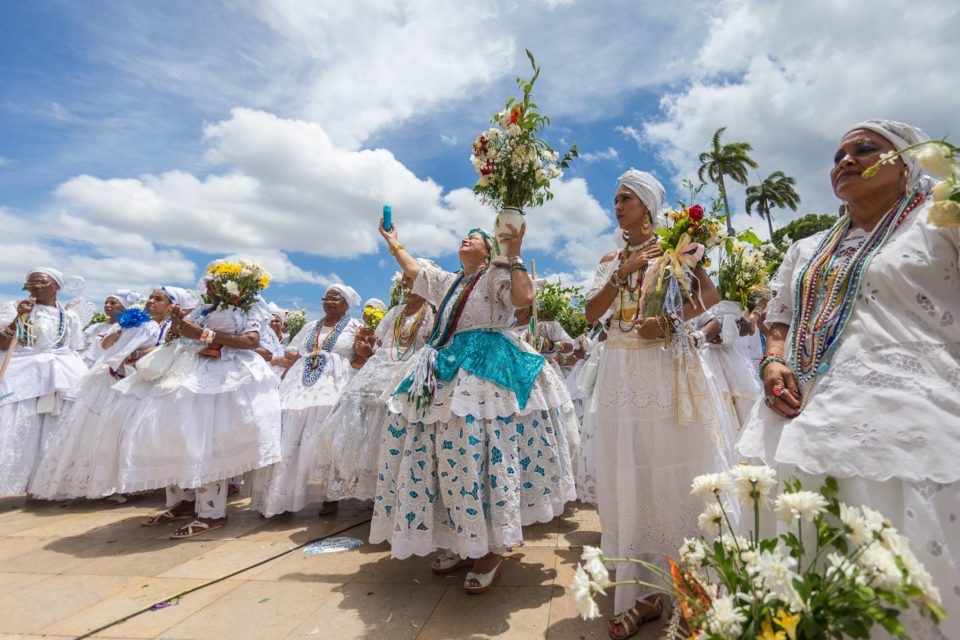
(563,304)
(98,317)
(396,290)
(801,228)
(775,191)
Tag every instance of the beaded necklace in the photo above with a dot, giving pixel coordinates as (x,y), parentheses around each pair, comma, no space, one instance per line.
(826,289)
(442,330)
(26,338)
(163,331)
(631,287)
(317,360)
(402,341)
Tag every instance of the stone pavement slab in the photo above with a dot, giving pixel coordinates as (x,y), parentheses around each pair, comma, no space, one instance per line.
(69,568)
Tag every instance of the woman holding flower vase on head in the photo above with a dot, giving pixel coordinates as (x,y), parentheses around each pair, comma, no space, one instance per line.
(474,447)
(318,362)
(659,423)
(862,366)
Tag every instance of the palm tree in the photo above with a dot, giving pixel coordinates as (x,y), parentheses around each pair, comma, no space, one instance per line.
(725,160)
(776,190)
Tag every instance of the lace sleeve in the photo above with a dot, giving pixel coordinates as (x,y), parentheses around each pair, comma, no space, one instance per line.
(780,308)
(432,283)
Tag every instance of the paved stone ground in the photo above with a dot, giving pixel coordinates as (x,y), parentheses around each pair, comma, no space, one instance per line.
(67,568)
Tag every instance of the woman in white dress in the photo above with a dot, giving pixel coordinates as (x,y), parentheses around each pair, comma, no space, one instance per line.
(319,367)
(198,411)
(78,464)
(113,305)
(41,368)
(346,465)
(659,423)
(871,397)
(475,443)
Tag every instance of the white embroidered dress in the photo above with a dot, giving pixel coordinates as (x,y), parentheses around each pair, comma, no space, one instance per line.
(885,417)
(286,486)
(78,451)
(466,472)
(659,424)
(36,391)
(206,419)
(346,464)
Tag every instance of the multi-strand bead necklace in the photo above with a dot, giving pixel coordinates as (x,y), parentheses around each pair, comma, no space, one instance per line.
(629,298)
(403,338)
(826,288)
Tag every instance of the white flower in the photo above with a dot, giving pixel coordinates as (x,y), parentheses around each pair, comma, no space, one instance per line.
(484,181)
(692,553)
(753,482)
(775,571)
(805,505)
(710,484)
(734,543)
(880,567)
(712,517)
(593,563)
(232,288)
(583,590)
(943,190)
(945,214)
(855,526)
(724,619)
(936,159)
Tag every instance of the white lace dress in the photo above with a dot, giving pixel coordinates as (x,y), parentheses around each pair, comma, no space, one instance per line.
(92,336)
(660,423)
(885,418)
(307,394)
(37,389)
(77,452)
(346,464)
(585,383)
(204,420)
(468,470)
(733,374)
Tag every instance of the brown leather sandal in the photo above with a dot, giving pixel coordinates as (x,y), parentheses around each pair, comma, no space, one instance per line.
(630,620)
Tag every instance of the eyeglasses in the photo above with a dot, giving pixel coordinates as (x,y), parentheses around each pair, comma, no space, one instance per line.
(332,299)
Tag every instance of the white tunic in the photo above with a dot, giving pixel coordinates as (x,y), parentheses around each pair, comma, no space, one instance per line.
(885,417)
(41,376)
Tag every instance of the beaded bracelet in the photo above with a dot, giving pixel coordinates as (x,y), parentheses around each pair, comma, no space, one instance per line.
(394,248)
(518,267)
(768,360)
(616,280)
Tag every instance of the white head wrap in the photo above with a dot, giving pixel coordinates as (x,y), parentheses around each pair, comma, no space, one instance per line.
(186,298)
(276,310)
(374,302)
(126,297)
(900,135)
(349,293)
(71,285)
(650,192)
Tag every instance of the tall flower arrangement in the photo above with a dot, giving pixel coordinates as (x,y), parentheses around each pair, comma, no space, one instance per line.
(836,572)
(295,320)
(236,284)
(939,159)
(744,274)
(514,164)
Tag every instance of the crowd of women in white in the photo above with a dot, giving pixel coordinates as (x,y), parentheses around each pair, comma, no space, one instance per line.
(461,428)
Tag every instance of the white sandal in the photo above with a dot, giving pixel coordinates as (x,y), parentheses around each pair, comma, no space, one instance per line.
(448,562)
(484,580)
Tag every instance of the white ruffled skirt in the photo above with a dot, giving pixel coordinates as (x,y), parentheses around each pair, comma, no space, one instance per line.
(476,469)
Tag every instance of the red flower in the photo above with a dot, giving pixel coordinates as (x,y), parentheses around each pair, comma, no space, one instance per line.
(515,116)
(695,212)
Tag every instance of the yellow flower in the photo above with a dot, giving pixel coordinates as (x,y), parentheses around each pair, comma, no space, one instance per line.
(264,281)
(767,632)
(788,622)
(945,213)
(706,262)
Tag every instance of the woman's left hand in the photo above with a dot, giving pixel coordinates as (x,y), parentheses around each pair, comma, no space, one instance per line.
(510,244)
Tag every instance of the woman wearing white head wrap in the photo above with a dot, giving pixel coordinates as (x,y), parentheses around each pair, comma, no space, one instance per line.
(319,368)
(82,455)
(40,378)
(113,305)
(649,443)
(186,299)
(873,398)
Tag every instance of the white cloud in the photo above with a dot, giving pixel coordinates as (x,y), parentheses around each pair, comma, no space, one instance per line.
(630,133)
(608,154)
(791,92)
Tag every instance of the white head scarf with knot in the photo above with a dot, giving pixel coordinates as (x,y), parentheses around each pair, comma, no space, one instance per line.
(374,302)
(900,135)
(126,297)
(276,310)
(349,293)
(186,298)
(71,285)
(650,192)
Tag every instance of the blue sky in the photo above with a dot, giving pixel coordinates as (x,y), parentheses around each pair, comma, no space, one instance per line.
(140,140)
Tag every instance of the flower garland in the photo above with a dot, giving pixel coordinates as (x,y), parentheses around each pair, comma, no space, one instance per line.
(826,290)
(317,360)
(402,343)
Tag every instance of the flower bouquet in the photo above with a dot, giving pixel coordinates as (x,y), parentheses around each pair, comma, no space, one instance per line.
(235,284)
(295,319)
(836,571)
(939,159)
(366,339)
(745,274)
(515,165)
(668,283)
